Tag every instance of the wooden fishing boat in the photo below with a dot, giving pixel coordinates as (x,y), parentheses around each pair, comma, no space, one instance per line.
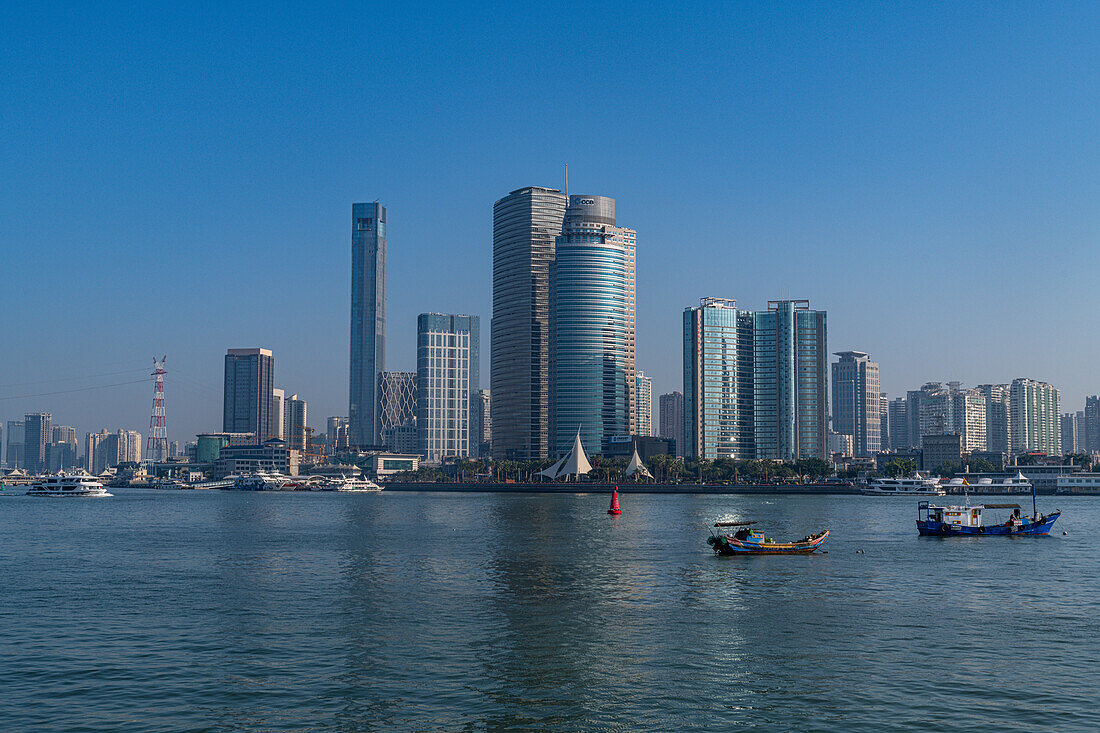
(958,521)
(746,541)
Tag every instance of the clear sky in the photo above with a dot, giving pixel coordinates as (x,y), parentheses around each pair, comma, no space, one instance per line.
(179,181)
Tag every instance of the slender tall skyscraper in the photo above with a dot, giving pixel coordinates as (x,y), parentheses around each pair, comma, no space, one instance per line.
(644,400)
(672,419)
(856,410)
(37,433)
(526,225)
(368,320)
(592,297)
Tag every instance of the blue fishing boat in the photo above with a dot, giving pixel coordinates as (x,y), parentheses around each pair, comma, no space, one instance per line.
(750,542)
(957,521)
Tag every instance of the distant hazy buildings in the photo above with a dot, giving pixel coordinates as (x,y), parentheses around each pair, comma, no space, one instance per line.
(247,403)
(1091,437)
(856,410)
(644,392)
(883,421)
(592,329)
(672,420)
(899,424)
(397,411)
(103,450)
(336,431)
(447,369)
(1071,425)
(368,320)
(278,412)
(37,433)
(1034,417)
(998,424)
(15,434)
(526,225)
(485,411)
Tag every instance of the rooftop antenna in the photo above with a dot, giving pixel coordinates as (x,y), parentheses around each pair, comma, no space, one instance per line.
(566,180)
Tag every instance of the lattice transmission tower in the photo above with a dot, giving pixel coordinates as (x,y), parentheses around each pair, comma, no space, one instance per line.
(156,447)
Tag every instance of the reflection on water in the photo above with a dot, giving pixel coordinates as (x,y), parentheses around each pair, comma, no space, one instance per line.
(231,611)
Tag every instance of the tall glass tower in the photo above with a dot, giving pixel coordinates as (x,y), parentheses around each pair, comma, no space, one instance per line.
(368,320)
(526,225)
(592,327)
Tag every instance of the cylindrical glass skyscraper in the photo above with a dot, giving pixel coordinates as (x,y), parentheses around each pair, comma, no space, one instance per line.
(592,324)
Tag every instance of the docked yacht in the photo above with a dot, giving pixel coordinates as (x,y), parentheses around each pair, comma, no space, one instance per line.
(259,481)
(1018,484)
(345,483)
(916,485)
(75,484)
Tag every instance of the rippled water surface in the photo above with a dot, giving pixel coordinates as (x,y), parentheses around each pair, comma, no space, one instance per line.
(269,612)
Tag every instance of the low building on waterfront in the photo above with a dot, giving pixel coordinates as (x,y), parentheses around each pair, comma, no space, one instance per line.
(387,464)
(272,455)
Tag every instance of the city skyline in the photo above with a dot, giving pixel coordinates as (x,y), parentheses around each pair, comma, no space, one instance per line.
(794,178)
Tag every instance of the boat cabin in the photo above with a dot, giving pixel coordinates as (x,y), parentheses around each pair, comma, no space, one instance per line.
(962,516)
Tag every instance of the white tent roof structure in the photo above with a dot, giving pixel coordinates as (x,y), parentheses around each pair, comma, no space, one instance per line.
(636,467)
(575,463)
(552,472)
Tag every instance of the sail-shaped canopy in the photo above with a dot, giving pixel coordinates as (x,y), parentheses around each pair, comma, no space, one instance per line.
(636,467)
(552,472)
(576,463)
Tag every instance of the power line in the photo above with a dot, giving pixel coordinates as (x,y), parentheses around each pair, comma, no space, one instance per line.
(71,379)
(69,391)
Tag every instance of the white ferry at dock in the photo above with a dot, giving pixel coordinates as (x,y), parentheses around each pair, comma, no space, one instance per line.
(916,485)
(74,484)
(1018,484)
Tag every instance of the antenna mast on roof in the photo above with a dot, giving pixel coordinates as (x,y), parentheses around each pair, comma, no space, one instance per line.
(566,180)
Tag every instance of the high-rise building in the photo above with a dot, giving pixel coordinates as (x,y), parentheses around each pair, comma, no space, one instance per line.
(37,433)
(485,410)
(294,430)
(883,421)
(336,430)
(899,424)
(592,328)
(672,420)
(247,404)
(95,453)
(60,456)
(717,404)
(856,410)
(278,412)
(103,450)
(1070,424)
(968,415)
(998,417)
(448,374)
(644,391)
(1034,419)
(368,320)
(1092,424)
(790,381)
(526,225)
(14,456)
(397,392)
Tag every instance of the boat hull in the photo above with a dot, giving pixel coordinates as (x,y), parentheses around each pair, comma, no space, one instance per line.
(932,528)
(726,545)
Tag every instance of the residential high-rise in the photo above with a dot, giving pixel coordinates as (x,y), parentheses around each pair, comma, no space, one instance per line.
(592,328)
(883,421)
(103,450)
(247,404)
(1092,424)
(368,320)
(899,424)
(644,391)
(526,225)
(336,430)
(95,454)
(397,392)
(447,374)
(856,402)
(1069,425)
(37,433)
(968,414)
(998,417)
(278,412)
(1034,418)
(672,420)
(485,409)
(790,381)
(717,404)
(294,430)
(14,456)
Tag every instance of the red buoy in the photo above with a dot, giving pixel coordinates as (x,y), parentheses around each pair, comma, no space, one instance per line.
(615,503)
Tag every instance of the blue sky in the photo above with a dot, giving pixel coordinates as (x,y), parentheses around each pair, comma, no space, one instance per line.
(178,181)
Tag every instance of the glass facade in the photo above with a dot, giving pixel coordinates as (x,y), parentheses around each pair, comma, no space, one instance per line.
(592,323)
(856,402)
(368,320)
(398,417)
(248,397)
(448,372)
(526,225)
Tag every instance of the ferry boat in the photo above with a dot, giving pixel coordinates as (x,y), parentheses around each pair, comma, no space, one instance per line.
(1018,484)
(916,485)
(746,541)
(955,521)
(259,481)
(75,484)
(346,483)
